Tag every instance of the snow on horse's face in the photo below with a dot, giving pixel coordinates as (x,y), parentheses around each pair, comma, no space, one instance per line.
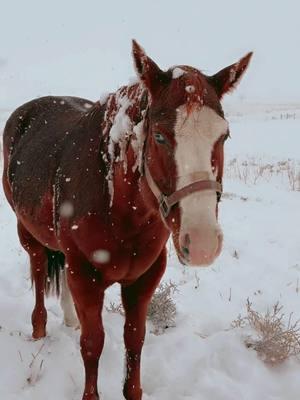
(186,131)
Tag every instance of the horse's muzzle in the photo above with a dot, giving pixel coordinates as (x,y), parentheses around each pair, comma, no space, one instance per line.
(197,250)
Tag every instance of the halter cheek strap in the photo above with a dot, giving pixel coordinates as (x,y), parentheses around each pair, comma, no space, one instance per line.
(167,202)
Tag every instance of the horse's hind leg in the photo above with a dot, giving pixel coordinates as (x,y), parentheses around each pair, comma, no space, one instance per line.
(67,304)
(38,264)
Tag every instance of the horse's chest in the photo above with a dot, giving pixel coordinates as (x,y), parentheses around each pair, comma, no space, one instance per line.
(118,255)
(143,253)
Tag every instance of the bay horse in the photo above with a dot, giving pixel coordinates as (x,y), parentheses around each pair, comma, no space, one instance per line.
(99,188)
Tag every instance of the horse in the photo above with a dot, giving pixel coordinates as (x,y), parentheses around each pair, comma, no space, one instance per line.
(98,188)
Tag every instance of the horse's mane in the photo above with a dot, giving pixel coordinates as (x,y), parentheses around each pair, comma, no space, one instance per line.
(122,125)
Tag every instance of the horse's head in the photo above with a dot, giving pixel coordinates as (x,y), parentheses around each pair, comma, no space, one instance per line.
(183,155)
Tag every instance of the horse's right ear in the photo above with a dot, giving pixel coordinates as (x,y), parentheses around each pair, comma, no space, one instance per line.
(147,70)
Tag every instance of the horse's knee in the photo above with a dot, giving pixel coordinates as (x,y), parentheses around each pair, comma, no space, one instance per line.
(91,344)
(92,338)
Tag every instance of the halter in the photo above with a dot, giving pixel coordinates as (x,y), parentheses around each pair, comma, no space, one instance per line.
(167,202)
(200,182)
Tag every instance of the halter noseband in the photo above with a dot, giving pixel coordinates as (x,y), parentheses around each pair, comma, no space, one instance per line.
(167,202)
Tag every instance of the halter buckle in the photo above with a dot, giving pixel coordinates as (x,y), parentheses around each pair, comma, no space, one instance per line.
(164,206)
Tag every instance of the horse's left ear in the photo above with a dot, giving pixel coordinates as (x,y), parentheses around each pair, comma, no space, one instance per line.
(228,78)
(148,71)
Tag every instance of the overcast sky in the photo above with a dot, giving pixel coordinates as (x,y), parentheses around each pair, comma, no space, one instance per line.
(84,48)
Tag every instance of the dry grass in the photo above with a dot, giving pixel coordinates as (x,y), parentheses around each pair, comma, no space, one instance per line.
(161,310)
(35,367)
(252,171)
(273,339)
(115,308)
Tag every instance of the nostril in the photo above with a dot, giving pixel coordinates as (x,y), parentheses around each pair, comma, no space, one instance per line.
(185,252)
(185,248)
(187,240)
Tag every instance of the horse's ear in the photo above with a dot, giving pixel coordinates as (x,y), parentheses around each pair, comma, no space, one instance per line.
(147,70)
(228,78)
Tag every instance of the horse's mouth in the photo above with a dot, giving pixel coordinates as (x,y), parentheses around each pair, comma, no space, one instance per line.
(185,260)
(182,260)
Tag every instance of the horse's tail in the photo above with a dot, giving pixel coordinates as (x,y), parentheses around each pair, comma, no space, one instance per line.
(56,263)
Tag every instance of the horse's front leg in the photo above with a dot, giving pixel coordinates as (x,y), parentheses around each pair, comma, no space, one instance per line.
(136,298)
(88,294)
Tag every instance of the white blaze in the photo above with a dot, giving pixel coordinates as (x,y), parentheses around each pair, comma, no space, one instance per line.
(195,134)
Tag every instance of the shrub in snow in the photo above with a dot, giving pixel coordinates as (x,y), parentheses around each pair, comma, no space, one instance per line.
(252,170)
(161,310)
(273,340)
(115,308)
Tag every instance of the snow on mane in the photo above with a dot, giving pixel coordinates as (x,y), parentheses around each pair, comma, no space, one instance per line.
(232,75)
(177,72)
(120,128)
(103,97)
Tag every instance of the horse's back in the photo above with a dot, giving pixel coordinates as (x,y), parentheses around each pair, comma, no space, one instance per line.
(43,115)
(33,139)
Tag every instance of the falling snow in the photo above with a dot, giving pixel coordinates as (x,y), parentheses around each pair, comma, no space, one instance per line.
(190,89)
(101,256)
(66,209)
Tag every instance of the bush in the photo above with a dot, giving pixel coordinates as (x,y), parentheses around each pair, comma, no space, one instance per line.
(161,310)
(274,341)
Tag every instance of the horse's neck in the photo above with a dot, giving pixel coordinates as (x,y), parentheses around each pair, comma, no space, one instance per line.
(123,130)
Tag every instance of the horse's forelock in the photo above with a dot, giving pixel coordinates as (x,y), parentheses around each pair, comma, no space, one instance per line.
(188,86)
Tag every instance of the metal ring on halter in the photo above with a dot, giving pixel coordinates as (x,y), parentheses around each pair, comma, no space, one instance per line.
(164,206)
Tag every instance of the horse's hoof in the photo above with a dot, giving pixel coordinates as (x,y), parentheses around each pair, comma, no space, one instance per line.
(38,333)
(133,394)
(72,323)
(90,397)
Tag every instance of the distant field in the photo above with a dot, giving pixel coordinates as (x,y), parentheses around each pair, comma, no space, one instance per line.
(202,357)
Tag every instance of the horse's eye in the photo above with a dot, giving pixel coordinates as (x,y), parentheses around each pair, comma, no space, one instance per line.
(159,138)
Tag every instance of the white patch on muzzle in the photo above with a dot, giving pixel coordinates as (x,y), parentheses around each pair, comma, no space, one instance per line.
(195,134)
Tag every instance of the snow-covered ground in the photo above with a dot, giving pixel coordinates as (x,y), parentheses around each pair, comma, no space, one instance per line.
(200,358)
